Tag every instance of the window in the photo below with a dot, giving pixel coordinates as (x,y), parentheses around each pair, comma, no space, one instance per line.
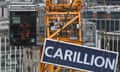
(88,14)
(2,12)
(22,28)
(3,64)
(12,56)
(111,25)
(115,15)
(101,15)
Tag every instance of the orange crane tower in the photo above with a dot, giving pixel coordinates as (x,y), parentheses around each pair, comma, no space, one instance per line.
(63,22)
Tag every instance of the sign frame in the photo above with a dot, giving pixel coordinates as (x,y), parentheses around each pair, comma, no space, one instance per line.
(116,61)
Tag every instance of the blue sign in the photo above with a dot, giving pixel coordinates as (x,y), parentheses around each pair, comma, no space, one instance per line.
(79,57)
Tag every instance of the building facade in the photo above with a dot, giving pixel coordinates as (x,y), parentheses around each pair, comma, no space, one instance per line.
(10,57)
(102,2)
(112,44)
(107,22)
(109,2)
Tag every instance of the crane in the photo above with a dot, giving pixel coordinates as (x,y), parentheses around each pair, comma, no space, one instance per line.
(63,22)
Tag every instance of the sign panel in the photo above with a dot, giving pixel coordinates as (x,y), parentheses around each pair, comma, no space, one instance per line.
(22,28)
(78,57)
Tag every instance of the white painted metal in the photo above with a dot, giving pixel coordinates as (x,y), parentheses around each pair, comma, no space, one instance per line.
(5,12)
(0,11)
(5,53)
(0,53)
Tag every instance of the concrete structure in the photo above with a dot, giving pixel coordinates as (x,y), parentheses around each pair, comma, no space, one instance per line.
(31,59)
(30,53)
(101,2)
(4,24)
(10,57)
(109,2)
(89,32)
(13,58)
(3,10)
(107,22)
(113,43)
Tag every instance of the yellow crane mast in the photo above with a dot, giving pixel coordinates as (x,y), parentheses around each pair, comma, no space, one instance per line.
(63,22)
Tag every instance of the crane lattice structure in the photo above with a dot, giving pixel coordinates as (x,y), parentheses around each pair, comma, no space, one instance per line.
(63,22)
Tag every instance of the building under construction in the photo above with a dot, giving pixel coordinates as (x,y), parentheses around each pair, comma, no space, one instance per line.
(73,21)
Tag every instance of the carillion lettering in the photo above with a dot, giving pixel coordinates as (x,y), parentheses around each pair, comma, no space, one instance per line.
(80,58)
